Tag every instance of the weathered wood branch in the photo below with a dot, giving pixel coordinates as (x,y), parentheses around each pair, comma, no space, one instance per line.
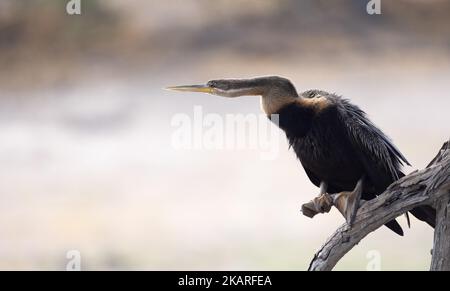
(441,249)
(430,186)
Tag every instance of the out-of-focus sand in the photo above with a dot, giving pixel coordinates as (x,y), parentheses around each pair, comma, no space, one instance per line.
(92,168)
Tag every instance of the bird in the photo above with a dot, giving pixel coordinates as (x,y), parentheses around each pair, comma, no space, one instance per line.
(339,147)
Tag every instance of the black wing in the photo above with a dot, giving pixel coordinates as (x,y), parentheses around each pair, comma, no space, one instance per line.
(382,161)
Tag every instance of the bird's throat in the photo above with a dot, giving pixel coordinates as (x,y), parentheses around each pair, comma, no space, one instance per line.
(272,104)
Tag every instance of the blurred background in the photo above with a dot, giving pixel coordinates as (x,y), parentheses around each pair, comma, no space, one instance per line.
(86,160)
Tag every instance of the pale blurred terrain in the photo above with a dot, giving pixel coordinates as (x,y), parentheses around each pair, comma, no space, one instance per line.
(86,160)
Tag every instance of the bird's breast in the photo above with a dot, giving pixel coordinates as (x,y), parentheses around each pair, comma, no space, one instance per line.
(328,156)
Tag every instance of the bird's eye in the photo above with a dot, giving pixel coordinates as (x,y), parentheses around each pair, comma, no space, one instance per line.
(212,84)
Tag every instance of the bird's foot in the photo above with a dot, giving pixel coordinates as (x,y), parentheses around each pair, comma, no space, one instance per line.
(348,203)
(320,204)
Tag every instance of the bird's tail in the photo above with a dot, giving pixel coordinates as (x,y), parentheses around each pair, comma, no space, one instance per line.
(426,214)
(395,227)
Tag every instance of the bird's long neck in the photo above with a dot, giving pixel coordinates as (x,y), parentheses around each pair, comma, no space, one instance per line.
(272,104)
(294,118)
(295,115)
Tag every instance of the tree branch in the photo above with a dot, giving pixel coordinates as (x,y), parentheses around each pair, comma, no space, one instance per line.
(430,186)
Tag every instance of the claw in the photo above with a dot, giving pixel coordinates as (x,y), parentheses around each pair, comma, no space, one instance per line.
(348,203)
(354,200)
(320,204)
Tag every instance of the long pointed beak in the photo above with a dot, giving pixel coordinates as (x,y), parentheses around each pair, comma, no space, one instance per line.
(191,88)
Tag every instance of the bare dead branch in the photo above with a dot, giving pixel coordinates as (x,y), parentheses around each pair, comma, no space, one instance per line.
(430,186)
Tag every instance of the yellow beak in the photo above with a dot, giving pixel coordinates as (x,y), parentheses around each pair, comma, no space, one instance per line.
(191,88)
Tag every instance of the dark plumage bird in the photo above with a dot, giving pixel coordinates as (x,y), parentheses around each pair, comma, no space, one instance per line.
(334,140)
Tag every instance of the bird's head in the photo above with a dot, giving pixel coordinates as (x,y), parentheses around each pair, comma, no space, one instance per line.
(274,91)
